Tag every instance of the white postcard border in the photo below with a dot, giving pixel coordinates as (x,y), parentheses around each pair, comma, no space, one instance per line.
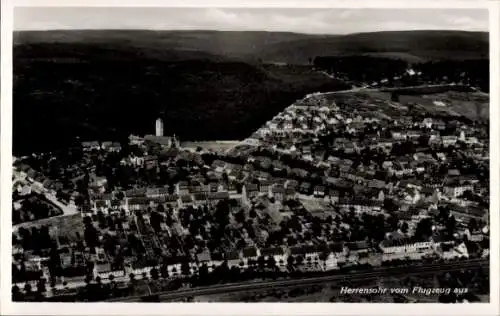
(9,308)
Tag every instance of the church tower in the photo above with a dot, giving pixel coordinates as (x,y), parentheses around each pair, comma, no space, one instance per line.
(159,127)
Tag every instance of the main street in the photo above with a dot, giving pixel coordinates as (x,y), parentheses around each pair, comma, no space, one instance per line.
(353,276)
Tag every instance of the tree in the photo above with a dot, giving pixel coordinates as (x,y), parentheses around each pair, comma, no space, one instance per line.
(235,273)
(164,270)
(451,225)
(472,224)
(27,288)
(324,255)
(203,274)
(424,229)
(120,195)
(185,269)
(91,236)
(404,227)
(271,263)
(390,206)
(261,262)
(154,274)
(290,262)
(16,294)
(40,286)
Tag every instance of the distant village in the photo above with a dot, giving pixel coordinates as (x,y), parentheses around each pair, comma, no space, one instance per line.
(334,181)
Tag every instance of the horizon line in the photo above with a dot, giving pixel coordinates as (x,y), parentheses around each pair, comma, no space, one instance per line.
(244,31)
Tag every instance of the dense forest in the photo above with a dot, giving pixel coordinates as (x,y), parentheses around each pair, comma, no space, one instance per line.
(205,84)
(475,72)
(362,68)
(370,68)
(284,47)
(96,93)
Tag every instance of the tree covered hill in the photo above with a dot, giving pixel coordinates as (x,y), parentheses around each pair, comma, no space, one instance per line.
(207,84)
(412,46)
(97,91)
(282,46)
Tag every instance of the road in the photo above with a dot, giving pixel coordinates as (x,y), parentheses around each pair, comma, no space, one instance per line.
(353,276)
(66,209)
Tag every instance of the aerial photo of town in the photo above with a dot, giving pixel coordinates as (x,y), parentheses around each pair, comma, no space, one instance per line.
(216,165)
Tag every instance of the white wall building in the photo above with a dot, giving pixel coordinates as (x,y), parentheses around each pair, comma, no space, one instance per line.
(159,127)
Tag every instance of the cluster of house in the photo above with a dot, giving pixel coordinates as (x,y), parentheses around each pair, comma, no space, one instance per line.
(258,171)
(326,257)
(180,196)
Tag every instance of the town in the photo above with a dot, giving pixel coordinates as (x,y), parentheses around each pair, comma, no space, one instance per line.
(335,182)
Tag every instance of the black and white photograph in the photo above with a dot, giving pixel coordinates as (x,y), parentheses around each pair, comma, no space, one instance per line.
(250,155)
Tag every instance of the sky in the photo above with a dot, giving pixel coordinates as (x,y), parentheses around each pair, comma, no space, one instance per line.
(315,21)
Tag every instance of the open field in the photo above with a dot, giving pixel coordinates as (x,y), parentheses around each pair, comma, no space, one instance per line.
(217,145)
(473,105)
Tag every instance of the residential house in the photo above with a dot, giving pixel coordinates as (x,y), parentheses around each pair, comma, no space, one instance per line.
(218,166)
(233,259)
(278,192)
(249,191)
(218,196)
(290,194)
(111,146)
(361,206)
(449,140)
(398,135)
(305,188)
(427,122)
(319,191)
(151,161)
(308,253)
(333,196)
(356,250)
(248,255)
(182,188)
(294,184)
(400,247)
(157,192)
(454,191)
(104,271)
(205,258)
(265,186)
(336,255)
(450,252)
(279,255)
(185,200)
(89,146)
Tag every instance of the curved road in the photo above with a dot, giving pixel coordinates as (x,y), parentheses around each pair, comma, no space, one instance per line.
(354,276)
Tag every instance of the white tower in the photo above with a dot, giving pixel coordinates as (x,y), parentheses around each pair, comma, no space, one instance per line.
(462,135)
(159,127)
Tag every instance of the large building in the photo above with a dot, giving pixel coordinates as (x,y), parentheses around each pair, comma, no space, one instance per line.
(159,127)
(159,138)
